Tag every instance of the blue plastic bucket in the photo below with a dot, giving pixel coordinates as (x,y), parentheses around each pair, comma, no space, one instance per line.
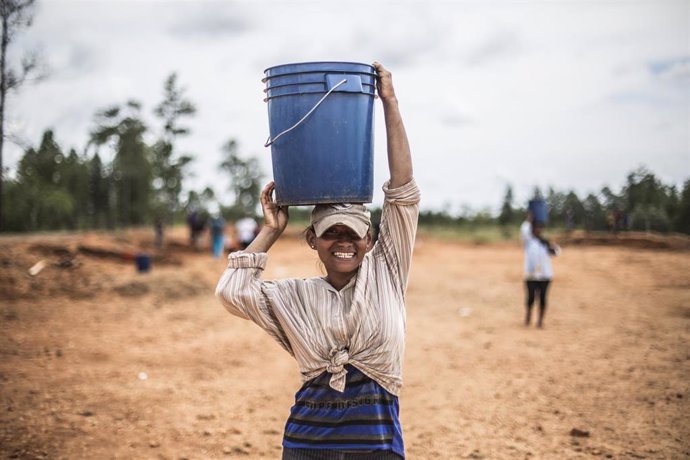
(321,119)
(143,262)
(539,210)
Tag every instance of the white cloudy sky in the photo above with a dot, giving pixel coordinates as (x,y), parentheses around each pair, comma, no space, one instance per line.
(572,94)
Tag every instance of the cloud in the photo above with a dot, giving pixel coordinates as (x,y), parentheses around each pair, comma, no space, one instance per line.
(415,37)
(210,23)
(660,83)
(501,44)
(83,58)
(455,119)
(671,69)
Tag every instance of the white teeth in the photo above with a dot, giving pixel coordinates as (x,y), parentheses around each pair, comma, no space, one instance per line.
(344,255)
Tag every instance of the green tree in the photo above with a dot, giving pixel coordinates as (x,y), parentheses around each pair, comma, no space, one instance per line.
(643,189)
(672,205)
(245,180)
(507,215)
(46,202)
(682,218)
(200,201)
(611,201)
(74,179)
(99,194)
(131,167)
(40,167)
(576,209)
(595,213)
(646,199)
(556,203)
(16,217)
(168,167)
(14,15)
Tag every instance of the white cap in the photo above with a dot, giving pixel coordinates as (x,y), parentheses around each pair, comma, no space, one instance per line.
(354,216)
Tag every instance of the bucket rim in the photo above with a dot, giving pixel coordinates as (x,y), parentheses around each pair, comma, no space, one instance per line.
(267,79)
(318,62)
(286,74)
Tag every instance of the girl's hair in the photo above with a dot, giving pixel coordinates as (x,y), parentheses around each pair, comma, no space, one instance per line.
(305,233)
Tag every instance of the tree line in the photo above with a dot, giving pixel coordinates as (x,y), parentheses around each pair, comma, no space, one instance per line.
(54,189)
(142,183)
(644,203)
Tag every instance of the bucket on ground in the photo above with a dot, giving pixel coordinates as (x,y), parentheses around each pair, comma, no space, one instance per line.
(539,210)
(321,119)
(143,262)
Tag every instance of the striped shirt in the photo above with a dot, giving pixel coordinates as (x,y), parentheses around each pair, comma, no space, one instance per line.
(326,330)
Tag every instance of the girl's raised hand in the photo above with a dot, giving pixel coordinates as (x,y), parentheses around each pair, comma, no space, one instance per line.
(384,82)
(275,217)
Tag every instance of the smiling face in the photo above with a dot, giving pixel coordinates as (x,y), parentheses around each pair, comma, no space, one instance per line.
(341,251)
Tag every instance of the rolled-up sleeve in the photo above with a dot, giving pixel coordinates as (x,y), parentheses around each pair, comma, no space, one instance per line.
(399,228)
(242,292)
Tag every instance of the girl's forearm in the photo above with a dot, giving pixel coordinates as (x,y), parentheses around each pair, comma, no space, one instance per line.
(399,156)
(264,240)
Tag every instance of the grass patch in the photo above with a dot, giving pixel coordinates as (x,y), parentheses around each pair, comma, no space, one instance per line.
(477,234)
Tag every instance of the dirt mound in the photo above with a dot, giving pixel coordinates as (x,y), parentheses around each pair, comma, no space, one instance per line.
(166,287)
(84,265)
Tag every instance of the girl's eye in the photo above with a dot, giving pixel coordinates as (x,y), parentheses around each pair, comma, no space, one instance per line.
(335,235)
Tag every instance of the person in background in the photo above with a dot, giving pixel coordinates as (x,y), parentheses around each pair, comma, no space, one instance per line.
(196,221)
(217,235)
(538,269)
(345,330)
(158,231)
(246,229)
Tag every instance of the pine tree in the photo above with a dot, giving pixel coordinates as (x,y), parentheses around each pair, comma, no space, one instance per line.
(14,15)
(168,167)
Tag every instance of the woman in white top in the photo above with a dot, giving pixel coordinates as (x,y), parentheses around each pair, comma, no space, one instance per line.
(538,269)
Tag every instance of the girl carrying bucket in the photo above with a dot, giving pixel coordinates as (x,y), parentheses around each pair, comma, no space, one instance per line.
(538,270)
(345,330)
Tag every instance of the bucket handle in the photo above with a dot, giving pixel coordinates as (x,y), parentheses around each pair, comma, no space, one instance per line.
(270,141)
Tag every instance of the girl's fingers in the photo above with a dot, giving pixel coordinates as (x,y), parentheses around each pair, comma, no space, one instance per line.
(267,192)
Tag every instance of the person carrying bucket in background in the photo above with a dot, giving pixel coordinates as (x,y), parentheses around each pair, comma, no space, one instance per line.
(346,330)
(538,250)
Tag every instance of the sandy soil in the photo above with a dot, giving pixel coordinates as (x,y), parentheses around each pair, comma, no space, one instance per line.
(99,361)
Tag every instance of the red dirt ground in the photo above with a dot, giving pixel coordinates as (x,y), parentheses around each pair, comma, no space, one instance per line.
(99,361)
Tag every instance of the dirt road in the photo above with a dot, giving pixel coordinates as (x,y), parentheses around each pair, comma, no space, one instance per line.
(99,361)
